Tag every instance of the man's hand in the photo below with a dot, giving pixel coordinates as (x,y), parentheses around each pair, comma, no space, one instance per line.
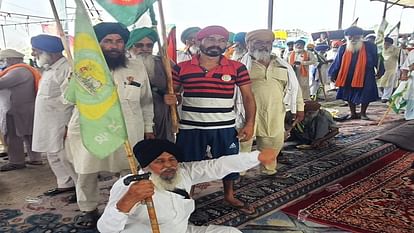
(137,192)
(299,116)
(170,99)
(149,136)
(246,133)
(267,156)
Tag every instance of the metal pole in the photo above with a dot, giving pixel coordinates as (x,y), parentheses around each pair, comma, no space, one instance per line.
(341,12)
(385,9)
(4,37)
(270,16)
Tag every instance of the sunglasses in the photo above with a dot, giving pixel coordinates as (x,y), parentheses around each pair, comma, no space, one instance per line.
(142,45)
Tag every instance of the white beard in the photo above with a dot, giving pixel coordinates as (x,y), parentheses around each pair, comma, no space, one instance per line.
(239,52)
(149,64)
(298,50)
(353,47)
(194,50)
(166,184)
(263,56)
(44,59)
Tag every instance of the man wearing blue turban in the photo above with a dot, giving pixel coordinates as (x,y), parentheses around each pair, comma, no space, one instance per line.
(51,113)
(131,80)
(354,70)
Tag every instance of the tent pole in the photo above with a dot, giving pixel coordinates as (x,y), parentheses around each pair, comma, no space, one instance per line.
(341,12)
(270,16)
(385,9)
(4,37)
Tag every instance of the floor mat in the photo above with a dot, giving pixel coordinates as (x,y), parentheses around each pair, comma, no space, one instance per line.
(380,198)
(402,136)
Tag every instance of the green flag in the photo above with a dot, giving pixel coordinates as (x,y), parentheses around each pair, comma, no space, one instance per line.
(126,12)
(379,38)
(398,100)
(93,91)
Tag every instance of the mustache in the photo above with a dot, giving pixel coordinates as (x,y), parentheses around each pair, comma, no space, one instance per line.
(213,47)
(168,170)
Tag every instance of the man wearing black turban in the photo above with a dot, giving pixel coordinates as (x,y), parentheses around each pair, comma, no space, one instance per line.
(133,87)
(169,185)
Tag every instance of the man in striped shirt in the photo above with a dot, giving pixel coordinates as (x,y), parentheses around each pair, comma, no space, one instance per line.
(208,84)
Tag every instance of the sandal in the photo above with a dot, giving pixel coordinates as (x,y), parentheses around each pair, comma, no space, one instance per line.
(11,167)
(35,162)
(87,220)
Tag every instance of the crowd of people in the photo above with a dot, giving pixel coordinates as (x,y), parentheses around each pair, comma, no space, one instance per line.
(230,91)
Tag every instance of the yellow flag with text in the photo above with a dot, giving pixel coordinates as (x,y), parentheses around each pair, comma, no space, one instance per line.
(93,91)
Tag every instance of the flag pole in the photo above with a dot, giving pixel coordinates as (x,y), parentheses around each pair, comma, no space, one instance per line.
(167,67)
(148,202)
(61,33)
(385,115)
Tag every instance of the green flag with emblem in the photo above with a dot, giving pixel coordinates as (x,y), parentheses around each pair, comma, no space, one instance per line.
(93,91)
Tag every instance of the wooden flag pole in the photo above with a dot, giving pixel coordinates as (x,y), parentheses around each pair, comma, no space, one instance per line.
(167,67)
(384,116)
(131,158)
(148,202)
(61,33)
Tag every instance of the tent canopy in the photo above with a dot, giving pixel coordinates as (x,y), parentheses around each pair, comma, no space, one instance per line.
(403,3)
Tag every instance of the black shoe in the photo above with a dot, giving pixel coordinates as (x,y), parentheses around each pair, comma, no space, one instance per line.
(384,101)
(56,191)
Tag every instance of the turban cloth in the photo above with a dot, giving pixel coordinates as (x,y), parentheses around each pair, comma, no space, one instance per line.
(139,34)
(231,37)
(47,43)
(240,37)
(302,42)
(187,32)
(322,47)
(337,43)
(213,30)
(311,106)
(105,28)
(10,53)
(389,40)
(354,31)
(261,34)
(148,150)
(310,46)
(290,43)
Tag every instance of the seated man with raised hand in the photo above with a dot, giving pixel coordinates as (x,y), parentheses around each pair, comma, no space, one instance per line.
(169,185)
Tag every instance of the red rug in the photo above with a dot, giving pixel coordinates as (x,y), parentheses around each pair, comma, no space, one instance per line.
(379,198)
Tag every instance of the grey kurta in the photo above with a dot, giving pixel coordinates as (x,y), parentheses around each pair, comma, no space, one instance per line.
(162,114)
(20,82)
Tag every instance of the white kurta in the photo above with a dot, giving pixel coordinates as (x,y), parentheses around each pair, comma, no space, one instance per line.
(51,114)
(173,211)
(137,107)
(391,56)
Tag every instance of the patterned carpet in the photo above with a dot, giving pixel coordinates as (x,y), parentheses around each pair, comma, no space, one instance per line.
(306,170)
(379,199)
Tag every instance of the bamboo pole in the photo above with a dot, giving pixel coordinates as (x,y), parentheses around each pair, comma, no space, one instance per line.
(167,67)
(148,202)
(61,33)
(384,116)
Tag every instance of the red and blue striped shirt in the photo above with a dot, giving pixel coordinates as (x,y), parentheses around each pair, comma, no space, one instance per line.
(208,95)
